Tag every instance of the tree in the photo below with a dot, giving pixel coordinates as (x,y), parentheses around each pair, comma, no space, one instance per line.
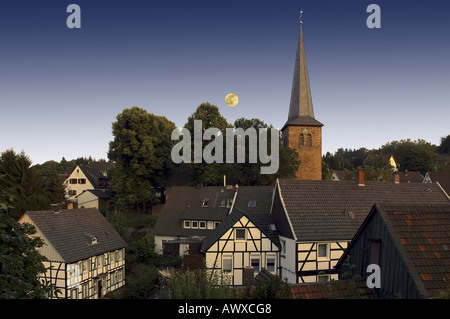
(51,184)
(141,149)
(412,155)
(210,117)
(20,184)
(20,262)
(444,147)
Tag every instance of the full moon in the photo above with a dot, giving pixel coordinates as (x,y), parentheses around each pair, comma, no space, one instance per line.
(231,99)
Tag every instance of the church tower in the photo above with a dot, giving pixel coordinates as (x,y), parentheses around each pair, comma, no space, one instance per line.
(302,131)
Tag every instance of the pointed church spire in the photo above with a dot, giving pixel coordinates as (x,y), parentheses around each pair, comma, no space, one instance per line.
(301,111)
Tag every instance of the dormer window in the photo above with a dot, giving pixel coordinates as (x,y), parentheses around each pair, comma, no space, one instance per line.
(91,239)
(205,202)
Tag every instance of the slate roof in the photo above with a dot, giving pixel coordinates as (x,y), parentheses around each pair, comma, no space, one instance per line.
(70,232)
(342,289)
(334,210)
(97,192)
(422,236)
(410,177)
(185,202)
(442,178)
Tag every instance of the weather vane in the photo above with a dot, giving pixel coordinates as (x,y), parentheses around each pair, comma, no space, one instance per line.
(301,12)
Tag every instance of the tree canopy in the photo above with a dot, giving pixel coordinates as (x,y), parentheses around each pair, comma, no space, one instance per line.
(141,149)
(20,185)
(20,262)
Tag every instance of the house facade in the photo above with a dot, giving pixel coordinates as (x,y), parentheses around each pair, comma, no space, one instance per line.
(316,220)
(409,243)
(94,198)
(87,177)
(86,256)
(241,246)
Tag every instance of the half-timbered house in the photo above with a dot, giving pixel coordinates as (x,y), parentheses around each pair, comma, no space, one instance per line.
(316,220)
(243,245)
(189,214)
(86,256)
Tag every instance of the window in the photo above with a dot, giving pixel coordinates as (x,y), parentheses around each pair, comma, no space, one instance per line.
(106,259)
(94,263)
(205,202)
(271,264)
(309,141)
(73,181)
(375,250)
(210,225)
(323,278)
(194,224)
(187,224)
(85,291)
(322,251)
(202,225)
(81,181)
(223,203)
(239,234)
(283,246)
(227,264)
(254,261)
(301,141)
(216,224)
(74,293)
(252,203)
(72,192)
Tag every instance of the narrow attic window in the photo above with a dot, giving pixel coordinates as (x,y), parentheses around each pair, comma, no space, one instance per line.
(252,203)
(205,202)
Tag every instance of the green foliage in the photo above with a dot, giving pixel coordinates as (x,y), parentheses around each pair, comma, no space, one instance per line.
(20,185)
(141,149)
(273,287)
(20,262)
(141,287)
(237,173)
(204,173)
(198,284)
(416,156)
(327,173)
(444,147)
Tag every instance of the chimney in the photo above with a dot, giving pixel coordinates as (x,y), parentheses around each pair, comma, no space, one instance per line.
(361,178)
(396,178)
(248,276)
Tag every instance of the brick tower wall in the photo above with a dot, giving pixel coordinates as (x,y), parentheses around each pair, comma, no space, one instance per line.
(310,167)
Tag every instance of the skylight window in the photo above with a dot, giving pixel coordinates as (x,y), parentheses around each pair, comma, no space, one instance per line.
(205,202)
(252,203)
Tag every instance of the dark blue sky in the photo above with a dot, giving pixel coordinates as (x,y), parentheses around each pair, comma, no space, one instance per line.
(62,88)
